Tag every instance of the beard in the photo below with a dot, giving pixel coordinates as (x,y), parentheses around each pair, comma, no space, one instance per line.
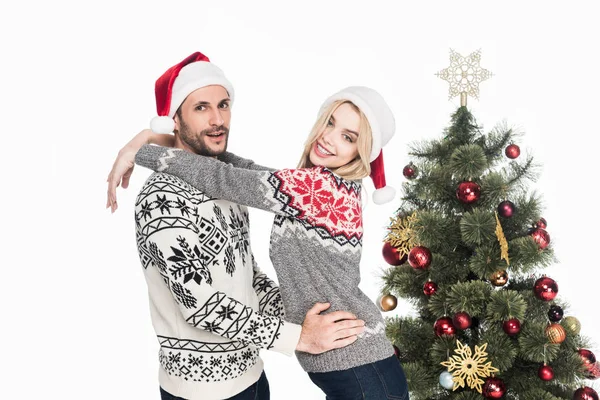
(196,139)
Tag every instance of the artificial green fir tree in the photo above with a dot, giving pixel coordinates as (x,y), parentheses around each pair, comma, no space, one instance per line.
(467,247)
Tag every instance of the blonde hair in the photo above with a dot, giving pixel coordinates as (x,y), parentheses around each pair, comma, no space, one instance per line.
(356,169)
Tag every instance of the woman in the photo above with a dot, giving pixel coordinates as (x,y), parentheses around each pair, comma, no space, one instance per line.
(317,232)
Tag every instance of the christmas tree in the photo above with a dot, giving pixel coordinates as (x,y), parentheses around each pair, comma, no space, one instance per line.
(468,247)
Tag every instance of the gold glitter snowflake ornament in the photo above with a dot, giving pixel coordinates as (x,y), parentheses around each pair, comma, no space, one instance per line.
(468,366)
(464,75)
(402,233)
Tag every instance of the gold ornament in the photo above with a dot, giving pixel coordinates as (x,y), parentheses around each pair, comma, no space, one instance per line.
(572,324)
(499,278)
(402,233)
(468,366)
(388,302)
(502,240)
(556,333)
(464,75)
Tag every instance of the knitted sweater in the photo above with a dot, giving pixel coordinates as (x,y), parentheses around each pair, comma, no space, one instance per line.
(316,241)
(211,307)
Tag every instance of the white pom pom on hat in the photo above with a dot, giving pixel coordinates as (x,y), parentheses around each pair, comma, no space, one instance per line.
(383,126)
(171,89)
(162,124)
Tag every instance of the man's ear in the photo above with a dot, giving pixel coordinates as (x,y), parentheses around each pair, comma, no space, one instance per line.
(176,119)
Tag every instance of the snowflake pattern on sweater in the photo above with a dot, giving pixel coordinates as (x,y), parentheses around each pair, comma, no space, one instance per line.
(205,362)
(324,205)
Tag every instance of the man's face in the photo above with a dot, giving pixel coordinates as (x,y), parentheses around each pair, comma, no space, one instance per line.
(202,124)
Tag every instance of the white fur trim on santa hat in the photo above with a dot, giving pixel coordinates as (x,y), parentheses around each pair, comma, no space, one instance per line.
(195,76)
(384,195)
(162,124)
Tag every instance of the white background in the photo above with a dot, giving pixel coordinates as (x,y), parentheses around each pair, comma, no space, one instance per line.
(77,83)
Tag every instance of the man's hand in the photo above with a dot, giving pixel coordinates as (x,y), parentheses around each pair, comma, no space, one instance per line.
(321,333)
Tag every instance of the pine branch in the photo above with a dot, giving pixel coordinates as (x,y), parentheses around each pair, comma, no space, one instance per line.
(506,304)
(467,161)
(478,227)
(486,260)
(469,297)
(518,173)
(422,385)
(497,140)
(526,257)
(534,344)
(410,335)
(502,349)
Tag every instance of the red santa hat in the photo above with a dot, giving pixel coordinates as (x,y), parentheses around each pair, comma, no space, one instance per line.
(172,88)
(383,127)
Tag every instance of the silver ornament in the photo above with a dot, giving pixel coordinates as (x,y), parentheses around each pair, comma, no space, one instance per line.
(446,380)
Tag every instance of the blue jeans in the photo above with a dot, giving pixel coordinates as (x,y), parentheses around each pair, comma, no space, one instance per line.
(381,380)
(256,391)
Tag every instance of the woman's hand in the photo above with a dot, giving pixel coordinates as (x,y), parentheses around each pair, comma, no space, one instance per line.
(123,166)
(119,175)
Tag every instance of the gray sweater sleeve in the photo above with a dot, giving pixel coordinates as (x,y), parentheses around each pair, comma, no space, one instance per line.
(303,193)
(240,162)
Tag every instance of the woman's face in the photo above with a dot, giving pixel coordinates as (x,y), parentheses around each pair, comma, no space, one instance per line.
(337,144)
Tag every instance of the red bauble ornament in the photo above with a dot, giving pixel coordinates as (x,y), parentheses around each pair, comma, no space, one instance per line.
(392,255)
(585,393)
(541,237)
(512,151)
(396,351)
(587,357)
(419,257)
(546,373)
(410,171)
(468,192)
(443,326)
(512,326)
(493,388)
(461,320)
(545,288)
(506,209)
(430,288)
(593,371)
(541,223)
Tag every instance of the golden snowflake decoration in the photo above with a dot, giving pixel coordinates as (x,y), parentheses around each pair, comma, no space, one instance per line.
(464,75)
(402,233)
(502,241)
(470,367)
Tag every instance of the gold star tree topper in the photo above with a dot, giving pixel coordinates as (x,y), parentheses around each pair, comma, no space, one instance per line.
(464,75)
(469,366)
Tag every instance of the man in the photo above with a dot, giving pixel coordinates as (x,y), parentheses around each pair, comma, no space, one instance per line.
(211,307)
